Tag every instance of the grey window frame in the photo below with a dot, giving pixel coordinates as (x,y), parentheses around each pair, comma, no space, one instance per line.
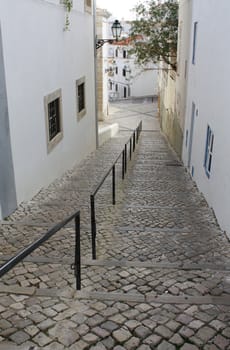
(56,95)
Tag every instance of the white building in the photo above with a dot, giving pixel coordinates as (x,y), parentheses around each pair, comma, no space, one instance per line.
(206,139)
(47,94)
(126,78)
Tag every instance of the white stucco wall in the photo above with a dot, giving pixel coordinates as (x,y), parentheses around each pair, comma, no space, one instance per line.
(145,83)
(208,88)
(40,58)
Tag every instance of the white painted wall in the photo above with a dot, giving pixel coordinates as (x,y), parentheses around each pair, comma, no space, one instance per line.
(208,88)
(145,83)
(39,59)
(142,81)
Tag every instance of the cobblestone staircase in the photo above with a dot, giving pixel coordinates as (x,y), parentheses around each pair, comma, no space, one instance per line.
(161,280)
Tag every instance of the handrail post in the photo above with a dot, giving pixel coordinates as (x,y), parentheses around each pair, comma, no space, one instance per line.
(77,252)
(93,226)
(114,185)
(139,131)
(125,158)
(137,134)
(130,148)
(134,141)
(123,165)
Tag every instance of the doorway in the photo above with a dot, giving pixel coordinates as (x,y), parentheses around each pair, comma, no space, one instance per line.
(125,92)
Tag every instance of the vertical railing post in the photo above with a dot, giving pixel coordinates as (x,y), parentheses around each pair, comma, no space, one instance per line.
(77,252)
(137,135)
(123,165)
(134,142)
(114,184)
(130,148)
(125,158)
(139,130)
(93,226)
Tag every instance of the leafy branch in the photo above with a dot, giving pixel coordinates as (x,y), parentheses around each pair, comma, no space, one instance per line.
(68,6)
(154,32)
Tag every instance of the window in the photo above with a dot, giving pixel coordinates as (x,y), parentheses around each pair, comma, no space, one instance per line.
(88,6)
(116,52)
(208,151)
(124,72)
(124,53)
(116,87)
(194,42)
(116,70)
(53,116)
(80,94)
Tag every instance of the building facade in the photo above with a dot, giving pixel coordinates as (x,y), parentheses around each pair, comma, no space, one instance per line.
(125,77)
(47,94)
(206,140)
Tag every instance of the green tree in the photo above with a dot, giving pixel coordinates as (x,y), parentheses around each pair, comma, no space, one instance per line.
(154,32)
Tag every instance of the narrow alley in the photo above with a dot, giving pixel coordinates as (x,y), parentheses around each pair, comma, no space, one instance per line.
(162,275)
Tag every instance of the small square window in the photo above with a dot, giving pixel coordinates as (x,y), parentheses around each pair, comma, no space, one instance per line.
(208,151)
(53,115)
(80,94)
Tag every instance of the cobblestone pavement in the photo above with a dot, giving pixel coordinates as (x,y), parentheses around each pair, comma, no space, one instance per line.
(162,275)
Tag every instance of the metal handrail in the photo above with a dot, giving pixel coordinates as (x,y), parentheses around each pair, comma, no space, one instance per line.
(36,244)
(132,144)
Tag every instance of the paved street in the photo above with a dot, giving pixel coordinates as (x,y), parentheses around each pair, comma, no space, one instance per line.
(162,275)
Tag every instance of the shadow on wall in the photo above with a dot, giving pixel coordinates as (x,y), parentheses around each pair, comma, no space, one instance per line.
(171,128)
(8,200)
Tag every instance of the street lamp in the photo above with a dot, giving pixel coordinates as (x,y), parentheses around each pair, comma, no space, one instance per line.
(116,32)
(116,29)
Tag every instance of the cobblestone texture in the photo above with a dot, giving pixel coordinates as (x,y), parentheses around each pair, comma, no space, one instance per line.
(161,240)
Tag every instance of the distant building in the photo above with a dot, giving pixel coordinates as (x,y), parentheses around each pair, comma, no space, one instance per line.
(47,95)
(125,78)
